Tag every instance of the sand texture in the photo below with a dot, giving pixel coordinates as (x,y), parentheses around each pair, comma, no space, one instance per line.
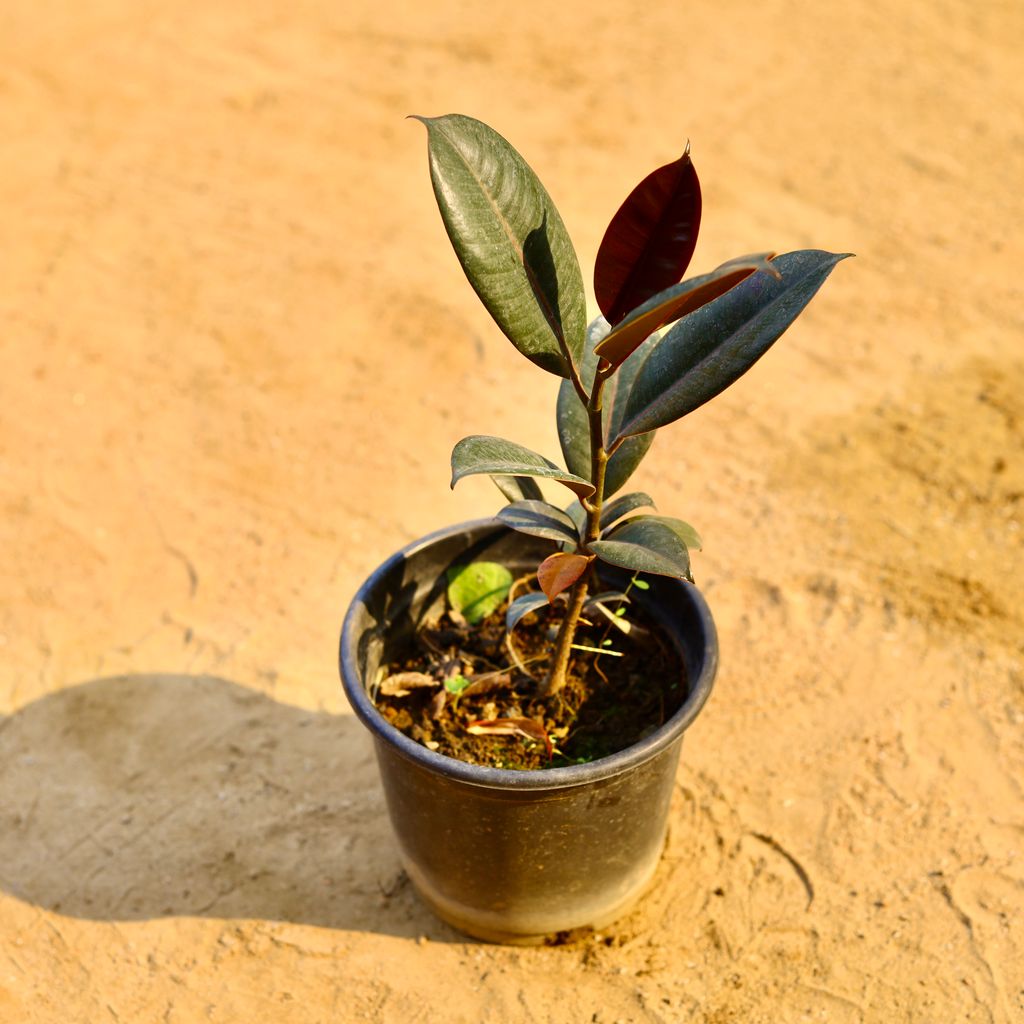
(237,350)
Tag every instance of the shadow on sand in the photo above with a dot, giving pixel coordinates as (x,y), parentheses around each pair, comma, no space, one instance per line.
(154,795)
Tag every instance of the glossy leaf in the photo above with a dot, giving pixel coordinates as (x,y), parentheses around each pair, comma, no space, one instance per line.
(574,423)
(630,453)
(684,531)
(571,414)
(646,547)
(623,506)
(650,240)
(711,348)
(523,606)
(578,514)
(496,456)
(675,302)
(477,589)
(510,240)
(560,571)
(518,488)
(539,519)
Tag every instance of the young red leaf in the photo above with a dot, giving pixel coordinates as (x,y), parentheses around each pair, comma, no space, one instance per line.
(650,240)
(560,571)
(674,303)
(526,727)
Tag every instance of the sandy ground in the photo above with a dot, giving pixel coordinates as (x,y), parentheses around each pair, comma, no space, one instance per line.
(236,353)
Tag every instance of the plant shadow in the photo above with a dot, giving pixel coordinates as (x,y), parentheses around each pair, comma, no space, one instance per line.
(148,796)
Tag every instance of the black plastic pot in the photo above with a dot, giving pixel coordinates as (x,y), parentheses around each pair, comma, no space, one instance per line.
(518,856)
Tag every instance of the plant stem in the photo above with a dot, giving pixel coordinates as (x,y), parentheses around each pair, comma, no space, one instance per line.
(578,594)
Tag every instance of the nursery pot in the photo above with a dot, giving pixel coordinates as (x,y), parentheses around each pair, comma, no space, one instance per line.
(507,855)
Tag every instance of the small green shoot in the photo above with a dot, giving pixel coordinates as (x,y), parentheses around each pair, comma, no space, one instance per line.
(456,684)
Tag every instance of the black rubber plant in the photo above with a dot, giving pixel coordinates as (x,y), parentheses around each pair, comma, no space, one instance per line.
(624,376)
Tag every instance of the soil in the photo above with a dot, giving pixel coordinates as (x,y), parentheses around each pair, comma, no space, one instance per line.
(609,701)
(237,352)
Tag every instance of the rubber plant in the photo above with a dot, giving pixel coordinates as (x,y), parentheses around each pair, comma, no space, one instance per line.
(662,347)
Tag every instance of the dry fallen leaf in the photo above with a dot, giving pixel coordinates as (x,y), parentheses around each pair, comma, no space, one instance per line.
(526,727)
(489,683)
(401,684)
(437,703)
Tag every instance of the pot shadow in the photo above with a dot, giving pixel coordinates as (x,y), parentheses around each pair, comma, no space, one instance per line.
(148,796)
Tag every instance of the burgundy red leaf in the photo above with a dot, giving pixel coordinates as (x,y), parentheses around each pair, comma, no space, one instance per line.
(650,240)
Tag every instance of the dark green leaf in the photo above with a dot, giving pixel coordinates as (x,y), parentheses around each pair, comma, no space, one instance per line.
(477,589)
(539,519)
(646,546)
(510,240)
(675,302)
(574,423)
(623,506)
(482,454)
(711,348)
(578,514)
(684,531)
(630,452)
(571,414)
(518,488)
(521,607)
(650,240)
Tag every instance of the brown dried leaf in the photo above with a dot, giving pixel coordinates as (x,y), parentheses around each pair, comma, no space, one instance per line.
(437,703)
(526,727)
(489,683)
(401,684)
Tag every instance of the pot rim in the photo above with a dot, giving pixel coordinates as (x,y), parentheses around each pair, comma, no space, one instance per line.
(513,778)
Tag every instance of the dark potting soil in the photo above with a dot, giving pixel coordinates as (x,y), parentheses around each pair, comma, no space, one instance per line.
(610,701)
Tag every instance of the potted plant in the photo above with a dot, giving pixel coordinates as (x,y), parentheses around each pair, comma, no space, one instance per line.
(478,655)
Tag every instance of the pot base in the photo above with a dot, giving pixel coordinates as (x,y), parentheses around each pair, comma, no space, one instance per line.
(488,933)
(477,926)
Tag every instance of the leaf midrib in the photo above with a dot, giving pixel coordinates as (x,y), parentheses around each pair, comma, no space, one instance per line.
(553,322)
(622,434)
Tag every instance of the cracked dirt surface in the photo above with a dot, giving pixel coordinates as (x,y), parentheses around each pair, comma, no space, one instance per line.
(237,352)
